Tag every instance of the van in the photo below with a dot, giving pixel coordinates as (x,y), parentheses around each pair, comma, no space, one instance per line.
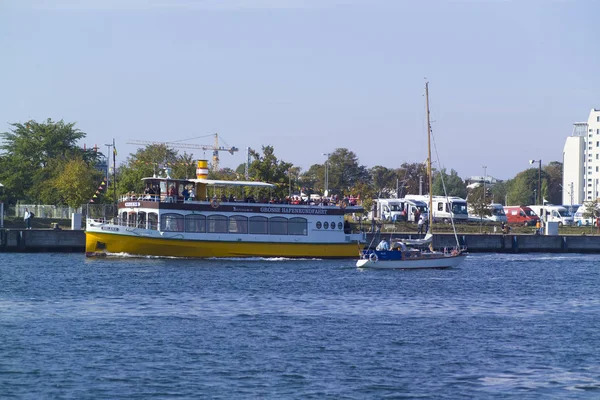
(552,213)
(445,208)
(497,214)
(522,215)
(579,218)
(390,209)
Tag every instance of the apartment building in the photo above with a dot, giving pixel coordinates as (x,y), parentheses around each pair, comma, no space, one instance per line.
(581,161)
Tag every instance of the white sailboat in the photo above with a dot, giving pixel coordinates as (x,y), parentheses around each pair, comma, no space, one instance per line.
(415,253)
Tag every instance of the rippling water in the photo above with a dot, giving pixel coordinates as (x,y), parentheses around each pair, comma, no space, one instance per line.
(522,326)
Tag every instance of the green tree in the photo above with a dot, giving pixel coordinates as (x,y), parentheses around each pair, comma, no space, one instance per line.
(345,171)
(592,211)
(414,177)
(498,192)
(152,160)
(31,152)
(267,168)
(384,181)
(455,186)
(553,174)
(76,183)
(479,202)
(522,187)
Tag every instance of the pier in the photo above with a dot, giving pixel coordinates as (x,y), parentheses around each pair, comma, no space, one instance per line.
(73,241)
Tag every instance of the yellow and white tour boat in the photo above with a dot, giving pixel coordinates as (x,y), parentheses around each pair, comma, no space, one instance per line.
(186,218)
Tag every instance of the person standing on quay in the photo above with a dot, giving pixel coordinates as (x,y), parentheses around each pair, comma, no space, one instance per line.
(27,218)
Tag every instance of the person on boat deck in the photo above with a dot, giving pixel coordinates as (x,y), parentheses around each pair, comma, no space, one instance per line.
(231,198)
(383,246)
(185,193)
(421,223)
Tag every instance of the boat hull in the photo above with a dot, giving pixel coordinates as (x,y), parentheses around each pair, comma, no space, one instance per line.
(100,243)
(441,261)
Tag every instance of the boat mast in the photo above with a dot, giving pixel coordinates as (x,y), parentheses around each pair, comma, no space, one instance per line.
(429,156)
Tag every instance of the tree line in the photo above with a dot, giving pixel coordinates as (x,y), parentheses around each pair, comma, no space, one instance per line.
(42,163)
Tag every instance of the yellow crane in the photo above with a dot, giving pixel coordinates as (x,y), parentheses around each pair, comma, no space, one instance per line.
(215,148)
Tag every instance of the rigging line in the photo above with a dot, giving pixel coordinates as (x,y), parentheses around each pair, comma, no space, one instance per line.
(444,186)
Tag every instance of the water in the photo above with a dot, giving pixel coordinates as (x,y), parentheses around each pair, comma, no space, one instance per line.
(499,326)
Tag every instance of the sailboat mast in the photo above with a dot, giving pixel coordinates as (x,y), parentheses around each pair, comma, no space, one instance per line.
(429,155)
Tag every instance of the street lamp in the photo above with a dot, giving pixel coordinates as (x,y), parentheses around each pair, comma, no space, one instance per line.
(539,189)
(326,174)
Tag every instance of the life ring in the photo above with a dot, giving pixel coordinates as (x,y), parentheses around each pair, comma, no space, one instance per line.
(214,203)
(373,257)
(344,204)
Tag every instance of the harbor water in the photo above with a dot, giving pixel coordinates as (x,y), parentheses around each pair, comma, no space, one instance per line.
(521,326)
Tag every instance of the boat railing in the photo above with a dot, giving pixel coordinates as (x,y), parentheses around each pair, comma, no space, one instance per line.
(342,203)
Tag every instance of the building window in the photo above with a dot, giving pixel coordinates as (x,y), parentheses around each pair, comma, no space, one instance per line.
(597,118)
(258,225)
(195,223)
(597,144)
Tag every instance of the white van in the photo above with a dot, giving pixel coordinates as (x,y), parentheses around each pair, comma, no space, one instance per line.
(391,209)
(445,208)
(497,214)
(552,213)
(580,220)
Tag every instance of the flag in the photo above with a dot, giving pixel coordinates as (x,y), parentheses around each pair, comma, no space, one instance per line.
(114,150)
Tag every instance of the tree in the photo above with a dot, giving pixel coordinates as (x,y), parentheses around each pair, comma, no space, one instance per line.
(76,183)
(267,168)
(345,171)
(522,187)
(414,177)
(553,177)
(150,160)
(384,181)
(31,152)
(455,186)
(591,211)
(479,202)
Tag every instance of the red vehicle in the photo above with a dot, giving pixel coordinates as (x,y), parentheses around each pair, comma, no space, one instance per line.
(522,215)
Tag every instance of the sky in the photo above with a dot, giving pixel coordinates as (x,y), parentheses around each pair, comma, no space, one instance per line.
(507,79)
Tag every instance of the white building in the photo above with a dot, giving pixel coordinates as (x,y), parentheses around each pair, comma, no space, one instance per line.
(581,161)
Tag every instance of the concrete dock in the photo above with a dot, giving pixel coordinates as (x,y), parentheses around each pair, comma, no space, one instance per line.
(69,241)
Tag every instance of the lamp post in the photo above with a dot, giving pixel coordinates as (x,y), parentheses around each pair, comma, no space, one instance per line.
(326,193)
(539,189)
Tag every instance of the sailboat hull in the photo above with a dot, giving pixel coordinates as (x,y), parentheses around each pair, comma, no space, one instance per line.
(431,260)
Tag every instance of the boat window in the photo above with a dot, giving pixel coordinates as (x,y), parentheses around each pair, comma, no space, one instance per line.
(152,221)
(258,225)
(216,224)
(297,226)
(325,225)
(333,225)
(124,218)
(278,226)
(171,222)
(340,225)
(141,220)
(195,223)
(238,224)
(318,224)
(132,218)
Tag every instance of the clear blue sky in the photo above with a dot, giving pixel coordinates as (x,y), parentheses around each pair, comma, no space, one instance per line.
(507,79)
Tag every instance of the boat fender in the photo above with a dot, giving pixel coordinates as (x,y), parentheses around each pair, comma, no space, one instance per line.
(373,257)
(214,203)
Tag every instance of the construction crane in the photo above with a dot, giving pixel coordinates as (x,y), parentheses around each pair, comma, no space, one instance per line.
(215,148)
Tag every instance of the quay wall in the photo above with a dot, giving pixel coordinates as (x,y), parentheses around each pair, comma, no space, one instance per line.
(73,241)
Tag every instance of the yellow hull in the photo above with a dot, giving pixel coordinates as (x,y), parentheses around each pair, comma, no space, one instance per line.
(202,249)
